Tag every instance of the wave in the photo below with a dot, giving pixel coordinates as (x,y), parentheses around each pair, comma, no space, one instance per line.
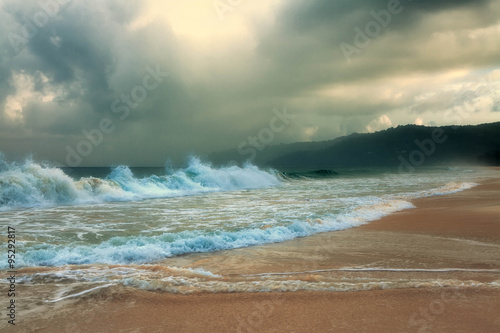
(146,249)
(31,184)
(188,286)
(321,173)
(71,280)
(449,188)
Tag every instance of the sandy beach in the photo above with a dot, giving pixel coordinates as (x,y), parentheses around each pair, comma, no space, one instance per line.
(453,238)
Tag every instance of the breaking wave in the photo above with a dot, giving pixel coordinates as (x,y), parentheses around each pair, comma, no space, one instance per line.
(31,184)
(144,249)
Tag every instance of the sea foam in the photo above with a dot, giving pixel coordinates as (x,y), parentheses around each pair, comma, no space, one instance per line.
(31,184)
(145,249)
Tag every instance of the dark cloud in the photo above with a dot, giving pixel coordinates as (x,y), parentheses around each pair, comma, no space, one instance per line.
(87,56)
(305,41)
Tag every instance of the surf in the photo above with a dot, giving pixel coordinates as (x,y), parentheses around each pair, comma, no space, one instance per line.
(30,184)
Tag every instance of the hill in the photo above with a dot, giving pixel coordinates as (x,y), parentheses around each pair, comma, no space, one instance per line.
(403,146)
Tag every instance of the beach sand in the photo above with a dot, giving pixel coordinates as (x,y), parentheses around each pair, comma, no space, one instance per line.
(459,231)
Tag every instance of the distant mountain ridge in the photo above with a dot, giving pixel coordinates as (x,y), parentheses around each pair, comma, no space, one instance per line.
(405,147)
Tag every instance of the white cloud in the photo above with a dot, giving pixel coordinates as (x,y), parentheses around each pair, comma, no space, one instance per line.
(419,121)
(309,133)
(23,85)
(378,124)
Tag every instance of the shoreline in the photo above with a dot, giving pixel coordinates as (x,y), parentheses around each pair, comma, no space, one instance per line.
(426,225)
(437,234)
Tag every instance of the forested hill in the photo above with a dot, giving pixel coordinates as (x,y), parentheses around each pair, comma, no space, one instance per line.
(404,146)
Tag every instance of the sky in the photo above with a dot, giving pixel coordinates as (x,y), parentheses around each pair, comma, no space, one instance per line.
(97,83)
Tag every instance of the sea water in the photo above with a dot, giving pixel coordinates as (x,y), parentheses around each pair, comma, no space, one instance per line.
(96,228)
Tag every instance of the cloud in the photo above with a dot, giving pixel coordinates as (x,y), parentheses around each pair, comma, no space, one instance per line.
(226,76)
(378,124)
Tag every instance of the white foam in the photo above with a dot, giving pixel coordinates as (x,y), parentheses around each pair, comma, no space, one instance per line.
(144,249)
(80,293)
(449,188)
(187,286)
(376,269)
(31,185)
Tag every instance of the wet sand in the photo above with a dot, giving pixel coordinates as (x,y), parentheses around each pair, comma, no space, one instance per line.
(448,238)
(407,310)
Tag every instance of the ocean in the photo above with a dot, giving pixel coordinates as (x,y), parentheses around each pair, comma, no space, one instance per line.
(84,229)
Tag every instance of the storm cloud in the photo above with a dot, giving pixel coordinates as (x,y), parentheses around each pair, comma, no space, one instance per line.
(149,81)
